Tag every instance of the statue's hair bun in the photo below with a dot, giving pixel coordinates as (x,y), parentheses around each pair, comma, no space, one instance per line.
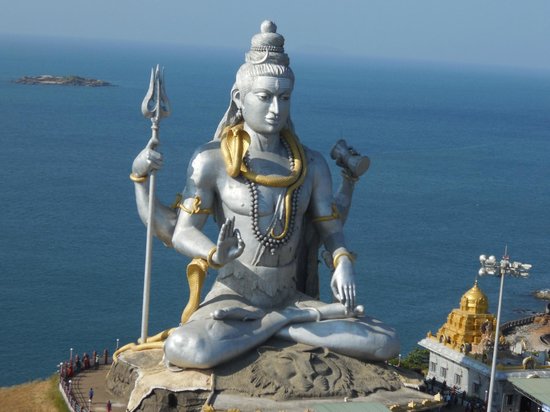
(267,46)
(268,26)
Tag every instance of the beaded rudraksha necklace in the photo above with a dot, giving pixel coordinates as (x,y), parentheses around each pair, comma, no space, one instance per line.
(234,147)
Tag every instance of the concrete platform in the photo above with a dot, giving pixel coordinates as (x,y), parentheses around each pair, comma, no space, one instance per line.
(289,377)
(97,379)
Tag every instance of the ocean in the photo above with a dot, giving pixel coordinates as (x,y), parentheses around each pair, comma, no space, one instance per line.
(460,167)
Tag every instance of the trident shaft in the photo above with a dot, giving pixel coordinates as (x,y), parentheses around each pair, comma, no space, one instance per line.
(155,106)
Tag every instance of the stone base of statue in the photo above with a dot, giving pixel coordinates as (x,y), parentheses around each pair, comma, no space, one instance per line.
(276,376)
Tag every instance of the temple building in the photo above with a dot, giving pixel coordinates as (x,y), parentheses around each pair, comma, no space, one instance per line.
(461,353)
(470,326)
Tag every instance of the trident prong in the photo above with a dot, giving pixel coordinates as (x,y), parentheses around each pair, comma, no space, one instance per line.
(155,104)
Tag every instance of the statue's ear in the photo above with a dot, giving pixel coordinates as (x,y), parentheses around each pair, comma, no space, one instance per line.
(236,97)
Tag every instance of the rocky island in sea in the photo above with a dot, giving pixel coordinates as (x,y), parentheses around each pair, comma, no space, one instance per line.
(62,80)
(542,294)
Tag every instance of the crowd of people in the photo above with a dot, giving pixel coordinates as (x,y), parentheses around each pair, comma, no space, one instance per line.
(454,397)
(75,365)
(69,369)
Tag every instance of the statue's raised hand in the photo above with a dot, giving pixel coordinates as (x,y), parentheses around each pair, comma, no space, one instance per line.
(230,244)
(147,160)
(343,283)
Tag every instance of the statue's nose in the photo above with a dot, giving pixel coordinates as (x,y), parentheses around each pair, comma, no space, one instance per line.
(274,107)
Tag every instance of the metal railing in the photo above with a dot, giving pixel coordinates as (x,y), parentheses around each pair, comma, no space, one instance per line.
(506,326)
(70,399)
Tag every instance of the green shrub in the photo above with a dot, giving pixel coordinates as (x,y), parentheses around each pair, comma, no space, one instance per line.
(416,360)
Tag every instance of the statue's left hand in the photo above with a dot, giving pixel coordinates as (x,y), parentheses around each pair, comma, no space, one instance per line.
(147,160)
(230,244)
(343,284)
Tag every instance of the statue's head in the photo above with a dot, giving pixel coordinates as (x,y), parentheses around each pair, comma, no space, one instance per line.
(266,57)
(266,65)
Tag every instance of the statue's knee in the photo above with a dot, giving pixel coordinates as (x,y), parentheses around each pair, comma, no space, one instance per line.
(378,341)
(174,346)
(187,351)
(389,348)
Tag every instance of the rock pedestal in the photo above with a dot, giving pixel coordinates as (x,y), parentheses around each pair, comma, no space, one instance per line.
(278,375)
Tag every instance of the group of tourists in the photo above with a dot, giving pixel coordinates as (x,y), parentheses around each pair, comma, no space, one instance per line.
(453,396)
(69,369)
(75,365)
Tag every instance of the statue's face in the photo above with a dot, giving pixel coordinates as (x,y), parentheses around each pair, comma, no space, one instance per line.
(266,106)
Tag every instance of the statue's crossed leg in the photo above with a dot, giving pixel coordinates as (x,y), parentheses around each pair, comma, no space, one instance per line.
(227,333)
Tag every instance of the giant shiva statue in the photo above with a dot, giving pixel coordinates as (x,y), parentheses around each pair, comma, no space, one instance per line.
(272,199)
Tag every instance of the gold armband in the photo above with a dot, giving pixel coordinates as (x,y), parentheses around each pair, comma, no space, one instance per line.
(210,261)
(138,179)
(335,215)
(339,255)
(195,207)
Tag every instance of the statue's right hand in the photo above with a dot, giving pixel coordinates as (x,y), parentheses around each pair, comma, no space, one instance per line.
(147,160)
(230,244)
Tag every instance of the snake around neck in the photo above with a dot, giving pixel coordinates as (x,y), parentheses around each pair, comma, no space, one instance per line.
(235,142)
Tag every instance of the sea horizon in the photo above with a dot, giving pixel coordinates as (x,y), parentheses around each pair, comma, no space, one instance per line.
(315,53)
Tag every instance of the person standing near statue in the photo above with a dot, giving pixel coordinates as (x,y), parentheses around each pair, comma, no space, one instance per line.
(266,191)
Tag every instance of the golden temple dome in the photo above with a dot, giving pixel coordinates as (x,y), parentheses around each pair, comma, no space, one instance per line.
(468,326)
(474,301)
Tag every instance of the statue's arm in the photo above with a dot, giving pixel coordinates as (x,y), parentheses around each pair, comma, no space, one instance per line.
(165,217)
(331,231)
(343,197)
(321,204)
(353,165)
(197,204)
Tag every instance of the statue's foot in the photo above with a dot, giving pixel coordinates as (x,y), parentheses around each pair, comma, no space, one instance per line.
(325,312)
(339,311)
(360,337)
(238,313)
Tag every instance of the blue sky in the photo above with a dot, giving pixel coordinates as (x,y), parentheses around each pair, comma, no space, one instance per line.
(480,32)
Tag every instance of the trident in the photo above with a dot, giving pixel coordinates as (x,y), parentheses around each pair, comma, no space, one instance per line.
(155,106)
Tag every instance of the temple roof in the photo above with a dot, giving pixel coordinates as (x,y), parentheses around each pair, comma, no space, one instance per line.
(474,301)
(470,327)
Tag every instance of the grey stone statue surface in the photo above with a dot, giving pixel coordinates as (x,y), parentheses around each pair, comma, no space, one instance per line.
(273,201)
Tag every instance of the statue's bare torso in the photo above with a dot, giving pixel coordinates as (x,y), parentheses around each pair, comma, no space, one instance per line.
(235,200)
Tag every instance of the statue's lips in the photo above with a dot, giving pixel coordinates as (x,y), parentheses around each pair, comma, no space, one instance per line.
(273,120)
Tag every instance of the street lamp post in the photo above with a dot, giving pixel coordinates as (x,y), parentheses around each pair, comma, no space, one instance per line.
(489,266)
